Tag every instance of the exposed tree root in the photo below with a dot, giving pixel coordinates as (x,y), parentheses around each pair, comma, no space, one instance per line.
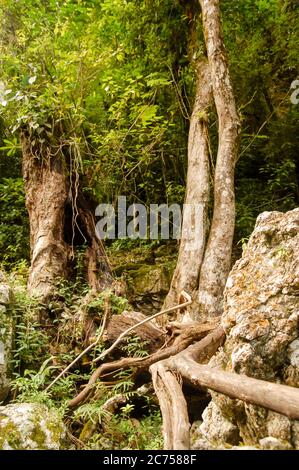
(190,334)
(173,406)
(280,398)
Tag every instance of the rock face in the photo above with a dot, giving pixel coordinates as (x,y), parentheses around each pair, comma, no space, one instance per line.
(30,426)
(148,286)
(261,323)
(6,336)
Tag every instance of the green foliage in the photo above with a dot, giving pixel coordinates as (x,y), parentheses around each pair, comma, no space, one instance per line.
(117,304)
(128,433)
(135,347)
(31,342)
(14,230)
(120,95)
(262,42)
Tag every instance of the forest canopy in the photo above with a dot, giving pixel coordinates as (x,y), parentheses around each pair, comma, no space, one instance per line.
(116,77)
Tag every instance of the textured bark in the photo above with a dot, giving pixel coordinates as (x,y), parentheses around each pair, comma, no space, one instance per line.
(50,199)
(192,243)
(173,407)
(217,260)
(46,190)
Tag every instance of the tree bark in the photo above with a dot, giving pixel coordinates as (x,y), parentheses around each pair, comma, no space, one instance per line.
(217,259)
(55,232)
(195,217)
(202,269)
(46,191)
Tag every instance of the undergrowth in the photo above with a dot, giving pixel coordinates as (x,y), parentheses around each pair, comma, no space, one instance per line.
(43,350)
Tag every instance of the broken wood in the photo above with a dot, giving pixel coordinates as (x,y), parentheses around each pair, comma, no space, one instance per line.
(173,407)
(149,332)
(183,295)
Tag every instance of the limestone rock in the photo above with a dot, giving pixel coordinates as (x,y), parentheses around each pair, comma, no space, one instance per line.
(261,312)
(271,443)
(6,336)
(148,285)
(221,430)
(30,426)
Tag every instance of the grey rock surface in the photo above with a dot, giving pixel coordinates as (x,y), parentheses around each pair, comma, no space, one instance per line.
(6,336)
(261,312)
(30,426)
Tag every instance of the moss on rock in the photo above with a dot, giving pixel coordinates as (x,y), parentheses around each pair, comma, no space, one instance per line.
(30,426)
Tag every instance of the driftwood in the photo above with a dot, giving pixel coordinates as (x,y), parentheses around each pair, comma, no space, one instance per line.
(184,366)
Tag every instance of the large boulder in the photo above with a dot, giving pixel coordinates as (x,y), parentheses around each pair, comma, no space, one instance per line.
(6,336)
(30,426)
(260,319)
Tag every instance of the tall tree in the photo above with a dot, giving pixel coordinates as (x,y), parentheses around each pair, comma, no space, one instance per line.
(61,217)
(204,270)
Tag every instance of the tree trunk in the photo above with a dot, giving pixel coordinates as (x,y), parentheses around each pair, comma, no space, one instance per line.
(46,190)
(195,217)
(60,220)
(204,267)
(217,260)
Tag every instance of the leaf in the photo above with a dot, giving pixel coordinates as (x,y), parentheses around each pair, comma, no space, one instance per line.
(148,114)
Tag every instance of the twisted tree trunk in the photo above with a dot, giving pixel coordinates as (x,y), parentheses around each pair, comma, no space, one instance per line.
(195,217)
(204,267)
(217,260)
